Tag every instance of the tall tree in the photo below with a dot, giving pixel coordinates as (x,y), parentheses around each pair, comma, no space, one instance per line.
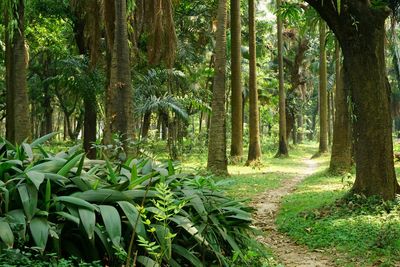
(17,110)
(254,121)
(323,93)
(342,143)
(236,79)
(360,28)
(283,147)
(119,102)
(217,160)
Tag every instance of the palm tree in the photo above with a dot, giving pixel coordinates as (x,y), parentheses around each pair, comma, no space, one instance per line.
(236,79)
(254,123)
(119,102)
(217,160)
(283,147)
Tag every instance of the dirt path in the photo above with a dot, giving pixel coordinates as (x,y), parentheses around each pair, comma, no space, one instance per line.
(286,251)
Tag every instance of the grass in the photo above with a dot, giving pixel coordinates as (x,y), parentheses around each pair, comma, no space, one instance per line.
(319,214)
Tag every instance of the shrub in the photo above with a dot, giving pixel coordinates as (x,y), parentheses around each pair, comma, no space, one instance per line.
(134,211)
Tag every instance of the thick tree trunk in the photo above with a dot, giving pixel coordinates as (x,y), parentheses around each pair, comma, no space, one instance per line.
(217,160)
(364,65)
(236,79)
(323,94)
(18,82)
(342,142)
(119,111)
(283,147)
(254,116)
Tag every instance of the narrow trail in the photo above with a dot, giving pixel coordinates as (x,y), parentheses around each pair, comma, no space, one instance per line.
(286,250)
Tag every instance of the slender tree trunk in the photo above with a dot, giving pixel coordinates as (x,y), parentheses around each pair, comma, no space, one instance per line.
(300,128)
(236,79)
(17,95)
(323,94)
(217,160)
(146,124)
(254,122)
(90,124)
(365,73)
(283,147)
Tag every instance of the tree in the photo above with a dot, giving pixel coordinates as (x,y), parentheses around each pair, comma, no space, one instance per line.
(323,93)
(360,28)
(119,102)
(283,147)
(217,160)
(17,112)
(342,142)
(254,121)
(236,80)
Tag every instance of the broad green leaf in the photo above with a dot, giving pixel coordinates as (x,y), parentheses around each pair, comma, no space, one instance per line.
(196,202)
(112,222)
(141,180)
(171,169)
(29,197)
(103,238)
(18,217)
(43,139)
(80,166)
(36,178)
(70,164)
(88,220)
(133,217)
(28,151)
(146,261)
(187,255)
(6,234)
(165,242)
(339,6)
(40,231)
(186,224)
(101,196)
(58,179)
(148,167)
(51,166)
(5,194)
(76,201)
(68,216)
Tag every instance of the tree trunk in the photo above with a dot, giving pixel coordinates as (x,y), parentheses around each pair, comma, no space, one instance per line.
(18,122)
(217,160)
(89,128)
(323,94)
(236,79)
(254,117)
(146,124)
(364,66)
(283,147)
(119,102)
(300,128)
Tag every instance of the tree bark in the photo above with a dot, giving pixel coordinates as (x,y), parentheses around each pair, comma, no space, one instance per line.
(89,128)
(217,160)
(146,124)
(364,66)
(283,147)
(236,80)
(323,94)
(17,95)
(119,102)
(254,117)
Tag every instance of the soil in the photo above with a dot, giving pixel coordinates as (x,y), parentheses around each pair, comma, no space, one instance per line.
(286,251)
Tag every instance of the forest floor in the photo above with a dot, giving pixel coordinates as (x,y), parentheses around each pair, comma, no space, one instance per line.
(285,249)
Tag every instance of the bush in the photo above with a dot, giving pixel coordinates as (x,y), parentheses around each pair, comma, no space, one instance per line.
(118,212)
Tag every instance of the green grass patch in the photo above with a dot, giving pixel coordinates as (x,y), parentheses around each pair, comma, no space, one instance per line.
(320,215)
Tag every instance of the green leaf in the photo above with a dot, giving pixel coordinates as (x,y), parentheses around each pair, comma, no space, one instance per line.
(187,255)
(36,178)
(70,164)
(112,223)
(76,201)
(171,169)
(50,166)
(165,242)
(40,231)
(29,197)
(43,139)
(339,6)
(28,151)
(133,217)
(18,217)
(88,219)
(101,196)
(6,234)
(196,202)
(80,166)
(47,195)
(146,261)
(68,216)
